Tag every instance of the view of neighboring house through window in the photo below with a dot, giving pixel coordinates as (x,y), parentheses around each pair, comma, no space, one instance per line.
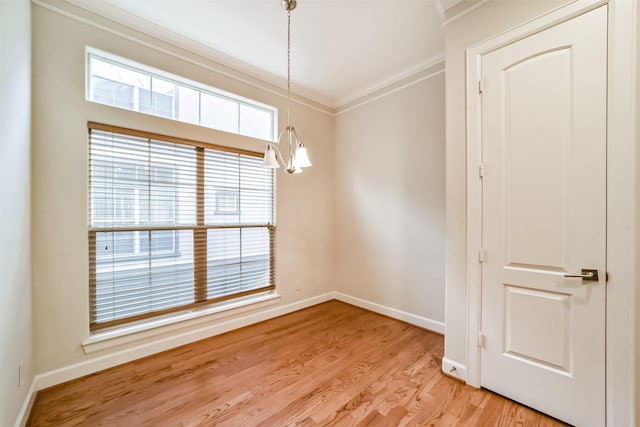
(125,84)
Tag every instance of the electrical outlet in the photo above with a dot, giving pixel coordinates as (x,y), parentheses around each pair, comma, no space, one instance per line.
(21,374)
(297,284)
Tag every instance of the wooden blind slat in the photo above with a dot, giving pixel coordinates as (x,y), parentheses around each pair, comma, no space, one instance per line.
(168,138)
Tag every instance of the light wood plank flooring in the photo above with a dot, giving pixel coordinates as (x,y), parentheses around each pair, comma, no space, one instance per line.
(331,364)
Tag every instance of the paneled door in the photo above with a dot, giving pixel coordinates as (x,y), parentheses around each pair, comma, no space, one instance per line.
(543,219)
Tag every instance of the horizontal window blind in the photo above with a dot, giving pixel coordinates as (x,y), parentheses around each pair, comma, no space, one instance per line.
(174,224)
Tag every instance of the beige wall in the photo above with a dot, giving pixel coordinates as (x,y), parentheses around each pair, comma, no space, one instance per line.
(15,183)
(60,115)
(389,189)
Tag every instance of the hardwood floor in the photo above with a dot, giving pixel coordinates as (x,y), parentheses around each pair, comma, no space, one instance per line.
(331,364)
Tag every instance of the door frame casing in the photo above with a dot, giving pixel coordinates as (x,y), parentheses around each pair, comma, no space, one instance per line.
(621,167)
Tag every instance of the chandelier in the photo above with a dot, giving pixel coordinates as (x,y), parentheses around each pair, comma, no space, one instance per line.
(298,157)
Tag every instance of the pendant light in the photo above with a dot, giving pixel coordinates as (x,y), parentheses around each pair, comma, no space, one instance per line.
(298,156)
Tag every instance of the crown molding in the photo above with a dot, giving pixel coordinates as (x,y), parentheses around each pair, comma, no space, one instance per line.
(380,85)
(420,76)
(468,9)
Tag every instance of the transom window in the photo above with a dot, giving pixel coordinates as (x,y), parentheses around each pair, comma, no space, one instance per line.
(123,83)
(174,224)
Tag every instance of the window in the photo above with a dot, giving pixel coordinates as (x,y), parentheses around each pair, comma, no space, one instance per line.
(174,224)
(122,83)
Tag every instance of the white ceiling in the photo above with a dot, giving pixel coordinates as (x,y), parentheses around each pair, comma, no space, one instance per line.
(341,49)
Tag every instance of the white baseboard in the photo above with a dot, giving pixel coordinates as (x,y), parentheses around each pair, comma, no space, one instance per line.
(29,400)
(454,369)
(86,367)
(423,322)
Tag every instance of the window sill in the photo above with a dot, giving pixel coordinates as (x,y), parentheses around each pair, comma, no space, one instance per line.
(132,333)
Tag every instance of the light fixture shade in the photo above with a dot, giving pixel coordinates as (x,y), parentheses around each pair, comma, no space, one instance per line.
(270,161)
(302,157)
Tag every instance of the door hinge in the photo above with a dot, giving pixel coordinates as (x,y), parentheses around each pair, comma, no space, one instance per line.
(482,255)
(481,340)
(481,170)
(480,86)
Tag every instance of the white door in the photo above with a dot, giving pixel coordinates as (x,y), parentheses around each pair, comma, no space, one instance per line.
(543,206)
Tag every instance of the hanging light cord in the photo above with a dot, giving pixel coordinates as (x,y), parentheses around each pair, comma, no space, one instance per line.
(288,67)
(289,129)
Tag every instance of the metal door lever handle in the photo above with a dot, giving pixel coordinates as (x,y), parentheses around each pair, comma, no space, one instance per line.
(587,275)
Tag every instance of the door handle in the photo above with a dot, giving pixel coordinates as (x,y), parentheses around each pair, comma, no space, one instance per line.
(587,275)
